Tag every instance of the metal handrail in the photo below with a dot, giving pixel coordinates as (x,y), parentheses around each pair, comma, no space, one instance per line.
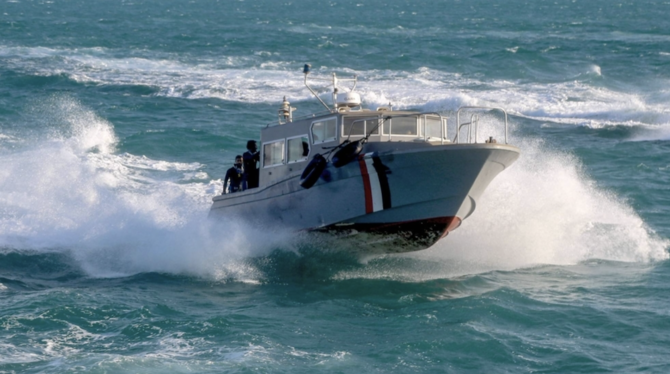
(457,139)
(306,116)
(443,127)
(459,125)
(474,119)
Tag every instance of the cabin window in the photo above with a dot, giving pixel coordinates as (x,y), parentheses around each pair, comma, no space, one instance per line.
(273,153)
(298,148)
(353,127)
(401,126)
(433,126)
(371,126)
(324,131)
(359,126)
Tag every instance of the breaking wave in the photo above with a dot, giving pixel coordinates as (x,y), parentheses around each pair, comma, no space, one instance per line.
(250,79)
(69,190)
(545,210)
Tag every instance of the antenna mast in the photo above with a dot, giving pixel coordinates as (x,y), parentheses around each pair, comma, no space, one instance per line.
(349,99)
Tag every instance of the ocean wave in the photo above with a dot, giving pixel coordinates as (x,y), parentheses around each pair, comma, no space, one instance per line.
(546,210)
(120,214)
(652,133)
(251,79)
(543,210)
(116,214)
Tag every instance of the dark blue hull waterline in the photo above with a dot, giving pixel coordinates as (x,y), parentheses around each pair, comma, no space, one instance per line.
(118,121)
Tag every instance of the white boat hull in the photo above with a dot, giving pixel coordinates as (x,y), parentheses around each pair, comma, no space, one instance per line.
(394,198)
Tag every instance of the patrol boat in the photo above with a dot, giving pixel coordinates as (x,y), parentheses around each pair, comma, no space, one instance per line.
(381,181)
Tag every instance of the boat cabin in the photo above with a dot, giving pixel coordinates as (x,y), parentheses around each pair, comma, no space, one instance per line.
(286,147)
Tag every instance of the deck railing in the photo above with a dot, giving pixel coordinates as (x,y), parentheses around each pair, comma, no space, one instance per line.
(473,125)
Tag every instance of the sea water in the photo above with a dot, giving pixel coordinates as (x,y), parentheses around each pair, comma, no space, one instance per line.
(119,118)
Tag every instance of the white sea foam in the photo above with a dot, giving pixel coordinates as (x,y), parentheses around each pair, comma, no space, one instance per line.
(513,49)
(117,218)
(596,70)
(252,80)
(10,354)
(544,210)
(651,133)
(70,190)
(177,347)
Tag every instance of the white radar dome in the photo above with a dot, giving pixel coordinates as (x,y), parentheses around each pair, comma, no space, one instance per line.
(348,99)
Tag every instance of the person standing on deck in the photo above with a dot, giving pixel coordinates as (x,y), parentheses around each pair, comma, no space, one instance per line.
(235,175)
(251,158)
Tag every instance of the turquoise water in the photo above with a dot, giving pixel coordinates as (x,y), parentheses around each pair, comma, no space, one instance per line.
(118,120)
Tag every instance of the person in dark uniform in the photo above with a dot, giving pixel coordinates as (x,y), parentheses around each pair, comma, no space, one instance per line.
(251,159)
(235,175)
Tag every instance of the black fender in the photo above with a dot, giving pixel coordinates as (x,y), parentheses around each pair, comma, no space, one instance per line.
(347,153)
(313,171)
